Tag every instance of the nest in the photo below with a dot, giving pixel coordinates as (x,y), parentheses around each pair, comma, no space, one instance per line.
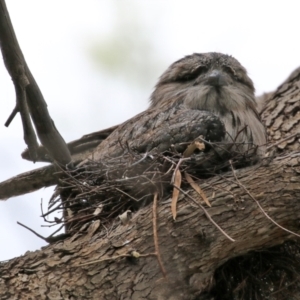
(103,190)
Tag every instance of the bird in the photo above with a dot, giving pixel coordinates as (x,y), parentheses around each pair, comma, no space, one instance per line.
(203,94)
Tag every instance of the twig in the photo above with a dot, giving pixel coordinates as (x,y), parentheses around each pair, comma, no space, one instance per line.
(57,230)
(205,212)
(11,116)
(156,246)
(34,232)
(258,204)
(175,171)
(44,215)
(177,167)
(122,192)
(140,160)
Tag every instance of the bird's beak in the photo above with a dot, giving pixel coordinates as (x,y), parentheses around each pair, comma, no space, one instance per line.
(216,78)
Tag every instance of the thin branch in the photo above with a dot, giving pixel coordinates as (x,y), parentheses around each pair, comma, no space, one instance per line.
(34,232)
(122,192)
(11,116)
(206,213)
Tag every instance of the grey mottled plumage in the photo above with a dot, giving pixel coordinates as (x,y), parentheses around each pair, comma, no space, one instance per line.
(217,83)
(197,95)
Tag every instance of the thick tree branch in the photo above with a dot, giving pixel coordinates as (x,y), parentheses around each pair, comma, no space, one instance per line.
(28,182)
(191,247)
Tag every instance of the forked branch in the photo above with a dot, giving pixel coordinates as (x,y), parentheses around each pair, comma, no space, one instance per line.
(29,95)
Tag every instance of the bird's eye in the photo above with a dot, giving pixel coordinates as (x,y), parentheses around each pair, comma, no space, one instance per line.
(230,70)
(192,74)
(237,76)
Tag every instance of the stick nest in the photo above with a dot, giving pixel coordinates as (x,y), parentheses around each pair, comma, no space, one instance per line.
(106,189)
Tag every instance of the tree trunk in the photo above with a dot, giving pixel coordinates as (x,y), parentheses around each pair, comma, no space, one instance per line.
(124,262)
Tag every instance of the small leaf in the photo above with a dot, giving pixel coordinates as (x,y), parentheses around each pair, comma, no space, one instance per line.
(135,254)
(125,217)
(98,210)
(175,195)
(93,228)
(197,188)
(192,147)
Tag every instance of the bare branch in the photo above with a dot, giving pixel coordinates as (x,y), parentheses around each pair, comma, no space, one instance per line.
(28,182)
(23,79)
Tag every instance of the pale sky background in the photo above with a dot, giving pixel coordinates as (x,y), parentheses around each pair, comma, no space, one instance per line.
(96,63)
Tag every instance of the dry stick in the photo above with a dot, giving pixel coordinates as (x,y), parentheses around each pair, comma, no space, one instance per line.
(122,192)
(50,239)
(59,206)
(140,160)
(205,212)
(176,169)
(154,219)
(11,116)
(258,204)
(57,230)
(177,165)
(34,232)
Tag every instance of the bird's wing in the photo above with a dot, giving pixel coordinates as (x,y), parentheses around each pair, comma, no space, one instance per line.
(158,131)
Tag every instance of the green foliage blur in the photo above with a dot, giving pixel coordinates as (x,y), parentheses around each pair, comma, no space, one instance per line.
(128,50)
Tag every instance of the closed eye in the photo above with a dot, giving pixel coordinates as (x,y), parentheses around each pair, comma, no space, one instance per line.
(191,74)
(237,76)
(230,71)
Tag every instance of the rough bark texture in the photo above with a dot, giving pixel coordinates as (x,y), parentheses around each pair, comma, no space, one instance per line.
(191,247)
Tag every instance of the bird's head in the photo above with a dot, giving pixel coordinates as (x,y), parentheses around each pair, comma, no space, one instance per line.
(210,81)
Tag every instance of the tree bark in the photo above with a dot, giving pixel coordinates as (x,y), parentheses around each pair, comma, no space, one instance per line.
(191,247)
